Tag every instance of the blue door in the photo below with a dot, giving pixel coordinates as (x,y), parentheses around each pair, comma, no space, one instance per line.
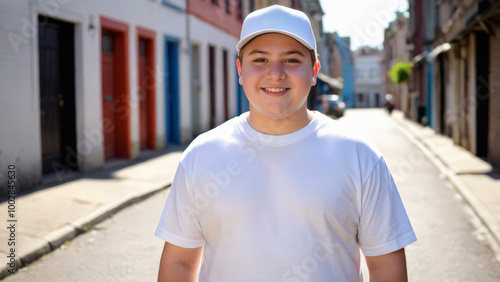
(243,104)
(172,90)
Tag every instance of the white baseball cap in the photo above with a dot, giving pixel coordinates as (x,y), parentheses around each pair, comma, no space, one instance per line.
(278,19)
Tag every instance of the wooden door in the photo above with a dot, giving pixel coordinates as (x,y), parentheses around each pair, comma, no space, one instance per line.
(108,94)
(50,95)
(147,88)
(57,95)
(442,93)
(115,88)
(143,94)
(212,77)
(482,93)
(196,87)
(226,84)
(172,92)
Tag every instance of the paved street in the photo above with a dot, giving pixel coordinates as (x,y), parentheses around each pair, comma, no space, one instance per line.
(121,248)
(450,246)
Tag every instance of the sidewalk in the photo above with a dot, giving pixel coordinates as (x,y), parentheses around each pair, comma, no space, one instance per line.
(475,179)
(49,217)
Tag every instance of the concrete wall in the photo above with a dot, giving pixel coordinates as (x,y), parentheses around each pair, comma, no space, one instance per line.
(207,35)
(20,141)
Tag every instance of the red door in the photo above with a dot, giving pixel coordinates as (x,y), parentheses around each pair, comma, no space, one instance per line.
(108,95)
(115,89)
(143,94)
(147,92)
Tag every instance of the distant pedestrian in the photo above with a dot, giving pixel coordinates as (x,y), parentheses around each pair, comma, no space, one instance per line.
(279,193)
(389,103)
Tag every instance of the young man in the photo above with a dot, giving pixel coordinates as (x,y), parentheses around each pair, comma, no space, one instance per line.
(278,193)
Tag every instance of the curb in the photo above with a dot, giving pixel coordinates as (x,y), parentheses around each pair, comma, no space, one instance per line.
(484,215)
(487,219)
(69,231)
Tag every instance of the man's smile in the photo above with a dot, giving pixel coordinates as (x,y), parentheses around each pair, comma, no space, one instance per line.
(273,91)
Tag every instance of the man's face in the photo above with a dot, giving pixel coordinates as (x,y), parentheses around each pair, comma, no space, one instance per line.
(276,74)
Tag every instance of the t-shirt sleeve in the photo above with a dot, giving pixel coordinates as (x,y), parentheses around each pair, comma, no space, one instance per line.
(384,225)
(179,223)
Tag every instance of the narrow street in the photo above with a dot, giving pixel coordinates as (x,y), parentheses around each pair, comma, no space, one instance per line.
(450,246)
(121,248)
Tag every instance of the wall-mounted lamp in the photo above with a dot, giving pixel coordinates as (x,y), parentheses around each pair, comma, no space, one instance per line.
(91,23)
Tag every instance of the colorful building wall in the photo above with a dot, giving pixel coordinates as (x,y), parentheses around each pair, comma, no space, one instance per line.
(152,59)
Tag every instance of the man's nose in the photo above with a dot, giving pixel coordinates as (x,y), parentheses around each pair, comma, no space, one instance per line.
(276,71)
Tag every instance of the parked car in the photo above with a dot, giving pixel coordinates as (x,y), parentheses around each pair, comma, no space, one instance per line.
(330,104)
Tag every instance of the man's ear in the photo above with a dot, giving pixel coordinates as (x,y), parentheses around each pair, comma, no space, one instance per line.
(316,68)
(238,66)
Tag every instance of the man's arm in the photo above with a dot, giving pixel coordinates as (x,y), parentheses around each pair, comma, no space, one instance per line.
(179,264)
(390,267)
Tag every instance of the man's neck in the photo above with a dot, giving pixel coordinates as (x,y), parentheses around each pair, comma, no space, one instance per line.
(277,125)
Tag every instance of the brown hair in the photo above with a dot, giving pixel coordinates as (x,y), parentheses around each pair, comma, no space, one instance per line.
(312,53)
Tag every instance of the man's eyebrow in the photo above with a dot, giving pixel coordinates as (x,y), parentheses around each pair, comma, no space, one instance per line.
(287,53)
(257,51)
(294,52)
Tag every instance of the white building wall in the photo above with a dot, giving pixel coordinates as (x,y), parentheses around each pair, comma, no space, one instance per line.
(206,35)
(370,80)
(20,142)
(20,139)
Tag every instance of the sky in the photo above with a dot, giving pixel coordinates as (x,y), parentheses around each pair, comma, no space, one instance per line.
(362,20)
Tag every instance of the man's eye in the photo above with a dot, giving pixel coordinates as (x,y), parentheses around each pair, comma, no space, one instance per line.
(292,61)
(260,60)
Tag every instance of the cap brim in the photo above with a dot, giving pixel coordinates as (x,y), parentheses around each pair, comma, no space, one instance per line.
(249,37)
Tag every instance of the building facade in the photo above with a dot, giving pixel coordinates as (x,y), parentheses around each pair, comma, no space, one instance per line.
(347,76)
(369,82)
(85,83)
(88,83)
(459,77)
(339,67)
(421,35)
(396,50)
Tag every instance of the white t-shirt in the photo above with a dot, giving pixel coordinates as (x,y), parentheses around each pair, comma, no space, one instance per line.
(294,207)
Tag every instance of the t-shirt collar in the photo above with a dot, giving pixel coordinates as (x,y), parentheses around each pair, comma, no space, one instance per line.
(276,140)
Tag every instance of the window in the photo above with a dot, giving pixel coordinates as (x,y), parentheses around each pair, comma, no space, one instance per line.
(142,48)
(107,42)
(359,73)
(373,72)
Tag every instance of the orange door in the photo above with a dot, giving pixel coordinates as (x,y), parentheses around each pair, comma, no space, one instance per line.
(108,95)
(143,94)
